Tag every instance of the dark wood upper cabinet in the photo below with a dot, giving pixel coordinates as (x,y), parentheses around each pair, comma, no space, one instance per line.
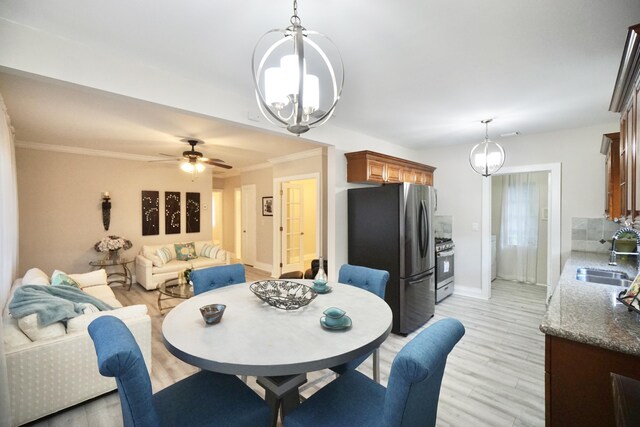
(612,186)
(625,102)
(368,167)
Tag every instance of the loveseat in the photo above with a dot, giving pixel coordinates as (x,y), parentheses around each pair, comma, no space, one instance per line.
(157,263)
(54,367)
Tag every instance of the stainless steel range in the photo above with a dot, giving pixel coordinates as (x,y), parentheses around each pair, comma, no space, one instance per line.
(444,268)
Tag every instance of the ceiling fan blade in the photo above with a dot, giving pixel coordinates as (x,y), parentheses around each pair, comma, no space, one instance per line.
(204,159)
(168,155)
(214,163)
(167,160)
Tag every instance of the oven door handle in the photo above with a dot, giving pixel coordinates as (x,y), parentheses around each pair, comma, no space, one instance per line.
(445,253)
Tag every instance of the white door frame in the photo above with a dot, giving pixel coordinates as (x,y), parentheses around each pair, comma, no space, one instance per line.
(553,225)
(277,214)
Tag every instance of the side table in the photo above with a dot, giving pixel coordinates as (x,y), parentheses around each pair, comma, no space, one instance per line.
(123,277)
(171,289)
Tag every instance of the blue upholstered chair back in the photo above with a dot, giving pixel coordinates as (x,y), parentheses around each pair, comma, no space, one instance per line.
(416,375)
(363,277)
(210,278)
(119,356)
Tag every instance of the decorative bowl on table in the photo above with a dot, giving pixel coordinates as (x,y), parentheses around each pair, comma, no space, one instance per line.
(212,313)
(283,294)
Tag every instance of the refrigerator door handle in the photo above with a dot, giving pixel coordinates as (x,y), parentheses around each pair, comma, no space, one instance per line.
(420,280)
(424,230)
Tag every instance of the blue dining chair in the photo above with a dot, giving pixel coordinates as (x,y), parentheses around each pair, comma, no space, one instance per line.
(374,281)
(205,398)
(410,399)
(210,278)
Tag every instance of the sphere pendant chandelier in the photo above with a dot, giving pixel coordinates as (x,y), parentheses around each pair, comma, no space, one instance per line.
(298,76)
(487,157)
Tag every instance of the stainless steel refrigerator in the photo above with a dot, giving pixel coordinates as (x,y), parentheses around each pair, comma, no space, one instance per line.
(390,228)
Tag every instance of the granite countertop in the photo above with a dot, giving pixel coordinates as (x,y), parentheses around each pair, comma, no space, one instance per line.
(589,312)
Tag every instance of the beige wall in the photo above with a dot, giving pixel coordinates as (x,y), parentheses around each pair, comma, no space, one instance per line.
(60,206)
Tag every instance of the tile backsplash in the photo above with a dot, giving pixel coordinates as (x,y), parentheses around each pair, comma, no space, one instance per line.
(592,234)
(443,226)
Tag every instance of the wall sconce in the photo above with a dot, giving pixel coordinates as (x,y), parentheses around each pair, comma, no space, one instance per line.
(106,210)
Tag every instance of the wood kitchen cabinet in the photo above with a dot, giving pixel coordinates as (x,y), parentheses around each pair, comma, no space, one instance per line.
(368,167)
(578,382)
(613,186)
(625,101)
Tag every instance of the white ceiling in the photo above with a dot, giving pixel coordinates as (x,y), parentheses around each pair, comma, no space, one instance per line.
(419,73)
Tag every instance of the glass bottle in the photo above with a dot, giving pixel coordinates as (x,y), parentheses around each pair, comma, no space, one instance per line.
(321,276)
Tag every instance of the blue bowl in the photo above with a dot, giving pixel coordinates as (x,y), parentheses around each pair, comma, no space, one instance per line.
(212,313)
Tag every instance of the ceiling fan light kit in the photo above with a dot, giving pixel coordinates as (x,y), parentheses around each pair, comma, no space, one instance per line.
(487,157)
(298,76)
(193,161)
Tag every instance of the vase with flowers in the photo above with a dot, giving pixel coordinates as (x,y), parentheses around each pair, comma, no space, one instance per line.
(112,245)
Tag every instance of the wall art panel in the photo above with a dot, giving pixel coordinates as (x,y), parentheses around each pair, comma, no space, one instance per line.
(150,213)
(172,212)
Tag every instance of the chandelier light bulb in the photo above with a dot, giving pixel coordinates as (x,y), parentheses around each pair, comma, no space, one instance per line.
(487,157)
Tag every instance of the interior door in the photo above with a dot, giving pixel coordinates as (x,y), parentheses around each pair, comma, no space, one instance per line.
(292,229)
(249,224)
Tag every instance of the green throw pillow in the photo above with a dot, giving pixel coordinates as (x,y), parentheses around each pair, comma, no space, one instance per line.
(61,279)
(185,251)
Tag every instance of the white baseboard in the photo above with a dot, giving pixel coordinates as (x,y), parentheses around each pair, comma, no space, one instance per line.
(263,266)
(468,292)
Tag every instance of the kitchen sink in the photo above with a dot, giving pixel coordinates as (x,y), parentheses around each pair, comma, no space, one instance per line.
(584,271)
(605,277)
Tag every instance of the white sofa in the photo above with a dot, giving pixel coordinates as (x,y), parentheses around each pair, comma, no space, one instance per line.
(151,271)
(60,369)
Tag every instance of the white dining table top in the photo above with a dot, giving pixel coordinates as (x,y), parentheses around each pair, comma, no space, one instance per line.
(254,338)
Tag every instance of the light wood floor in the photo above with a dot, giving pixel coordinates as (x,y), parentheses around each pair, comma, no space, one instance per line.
(494,376)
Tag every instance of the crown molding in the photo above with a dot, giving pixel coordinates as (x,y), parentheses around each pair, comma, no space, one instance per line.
(83,151)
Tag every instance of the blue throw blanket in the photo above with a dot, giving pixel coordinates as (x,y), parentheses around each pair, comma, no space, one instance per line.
(52,303)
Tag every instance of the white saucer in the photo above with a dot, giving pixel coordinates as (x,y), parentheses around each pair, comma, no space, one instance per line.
(345,324)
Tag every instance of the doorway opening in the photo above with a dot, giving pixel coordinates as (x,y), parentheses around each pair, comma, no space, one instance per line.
(519,227)
(296,224)
(552,214)
(217,228)
(237,221)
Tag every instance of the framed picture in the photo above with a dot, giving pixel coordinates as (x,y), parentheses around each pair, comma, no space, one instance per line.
(193,212)
(172,212)
(267,206)
(150,213)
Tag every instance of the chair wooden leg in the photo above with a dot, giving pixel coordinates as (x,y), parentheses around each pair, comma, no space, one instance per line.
(376,365)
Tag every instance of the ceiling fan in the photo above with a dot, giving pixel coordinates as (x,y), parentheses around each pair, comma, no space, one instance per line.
(192,159)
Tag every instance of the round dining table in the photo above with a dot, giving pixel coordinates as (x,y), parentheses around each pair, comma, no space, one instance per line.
(277,346)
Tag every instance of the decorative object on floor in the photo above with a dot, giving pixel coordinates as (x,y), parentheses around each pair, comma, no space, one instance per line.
(111,245)
(106,210)
(199,399)
(298,76)
(193,212)
(411,397)
(267,206)
(212,313)
(172,212)
(487,157)
(283,294)
(150,213)
(193,161)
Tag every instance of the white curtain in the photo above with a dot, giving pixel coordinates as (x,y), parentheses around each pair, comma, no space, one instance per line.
(518,245)
(8,241)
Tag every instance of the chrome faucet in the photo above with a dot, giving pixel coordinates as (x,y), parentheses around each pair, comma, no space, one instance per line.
(614,253)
